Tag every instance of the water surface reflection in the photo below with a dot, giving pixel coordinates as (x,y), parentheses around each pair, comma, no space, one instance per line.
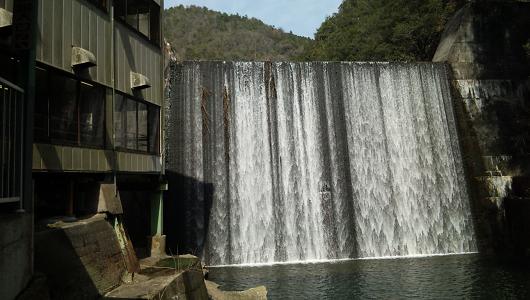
(442,277)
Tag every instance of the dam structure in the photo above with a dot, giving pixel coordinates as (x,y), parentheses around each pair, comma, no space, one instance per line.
(287,162)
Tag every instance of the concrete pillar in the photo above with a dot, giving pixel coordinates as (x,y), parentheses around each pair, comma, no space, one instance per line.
(157,240)
(157,213)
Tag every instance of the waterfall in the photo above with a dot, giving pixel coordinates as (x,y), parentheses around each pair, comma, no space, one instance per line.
(276,162)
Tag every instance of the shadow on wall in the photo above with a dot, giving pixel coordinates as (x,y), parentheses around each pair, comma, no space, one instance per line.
(188,203)
(81,259)
(56,257)
(15,253)
(136,217)
(502,33)
(484,44)
(483,215)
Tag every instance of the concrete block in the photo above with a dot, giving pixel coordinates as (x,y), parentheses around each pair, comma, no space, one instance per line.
(6,18)
(81,260)
(82,57)
(494,186)
(15,253)
(157,245)
(109,199)
(497,163)
(215,293)
(493,203)
(521,186)
(463,53)
(139,81)
(164,286)
(37,289)
(488,88)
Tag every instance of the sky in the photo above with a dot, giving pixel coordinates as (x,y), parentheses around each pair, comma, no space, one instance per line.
(302,17)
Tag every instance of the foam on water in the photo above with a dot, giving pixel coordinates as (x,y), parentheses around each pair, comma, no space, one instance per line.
(332,261)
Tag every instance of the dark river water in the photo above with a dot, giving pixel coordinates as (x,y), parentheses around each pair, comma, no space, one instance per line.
(441,277)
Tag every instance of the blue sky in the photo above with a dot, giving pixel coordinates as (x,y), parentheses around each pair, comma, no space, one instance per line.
(302,17)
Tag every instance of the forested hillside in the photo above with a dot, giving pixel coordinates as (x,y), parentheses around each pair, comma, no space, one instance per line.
(383,30)
(201,34)
(362,30)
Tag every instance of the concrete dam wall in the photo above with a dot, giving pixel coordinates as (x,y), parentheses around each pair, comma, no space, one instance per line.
(283,162)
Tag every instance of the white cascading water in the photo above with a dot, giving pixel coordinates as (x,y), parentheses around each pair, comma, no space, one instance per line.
(316,161)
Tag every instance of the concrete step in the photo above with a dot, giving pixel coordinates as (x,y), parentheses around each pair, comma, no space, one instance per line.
(257,293)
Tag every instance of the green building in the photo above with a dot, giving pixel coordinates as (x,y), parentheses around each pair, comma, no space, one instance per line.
(96,119)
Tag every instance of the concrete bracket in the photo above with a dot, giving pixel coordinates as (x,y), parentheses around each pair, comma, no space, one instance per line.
(109,199)
(139,81)
(82,58)
(6,18)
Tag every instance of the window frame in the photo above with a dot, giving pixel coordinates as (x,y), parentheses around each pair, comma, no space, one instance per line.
(12,134)
(96,4)
(123,21)
(149,106)
(49,139)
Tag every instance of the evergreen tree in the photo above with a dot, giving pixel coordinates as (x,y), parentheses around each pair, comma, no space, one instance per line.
(383,30)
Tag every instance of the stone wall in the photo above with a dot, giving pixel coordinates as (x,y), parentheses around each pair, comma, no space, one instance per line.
(16,266)
(484,44)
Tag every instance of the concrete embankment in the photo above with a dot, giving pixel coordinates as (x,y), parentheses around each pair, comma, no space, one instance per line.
(82,259)
(257,293)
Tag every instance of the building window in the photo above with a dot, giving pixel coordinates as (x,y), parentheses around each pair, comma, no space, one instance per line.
(142,127)
(11,145)
(68,110)
(136,125)
(103,4)
(142,15)
(153,134)
(4,5)
(41,124)
(91,114)
(63,109)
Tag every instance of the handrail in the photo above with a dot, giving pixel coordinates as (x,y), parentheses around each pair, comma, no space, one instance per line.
(9,200)
(11,85)
(11,163)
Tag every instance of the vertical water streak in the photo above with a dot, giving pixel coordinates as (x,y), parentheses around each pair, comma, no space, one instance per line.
(311,161)
(251,186)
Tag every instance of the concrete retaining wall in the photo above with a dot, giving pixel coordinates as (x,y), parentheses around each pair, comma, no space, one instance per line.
(484,44)
(15,253)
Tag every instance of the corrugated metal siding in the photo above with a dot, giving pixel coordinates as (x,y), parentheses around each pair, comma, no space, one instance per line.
(67,23)
(64,158)
(134,53)
(132,162)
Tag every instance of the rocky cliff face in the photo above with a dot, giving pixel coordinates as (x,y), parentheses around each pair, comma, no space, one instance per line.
(485,46)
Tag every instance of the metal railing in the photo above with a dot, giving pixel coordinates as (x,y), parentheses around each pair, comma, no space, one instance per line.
(11,141)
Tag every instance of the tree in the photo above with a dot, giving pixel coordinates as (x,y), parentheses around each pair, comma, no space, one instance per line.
(201,34)
(383,30)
